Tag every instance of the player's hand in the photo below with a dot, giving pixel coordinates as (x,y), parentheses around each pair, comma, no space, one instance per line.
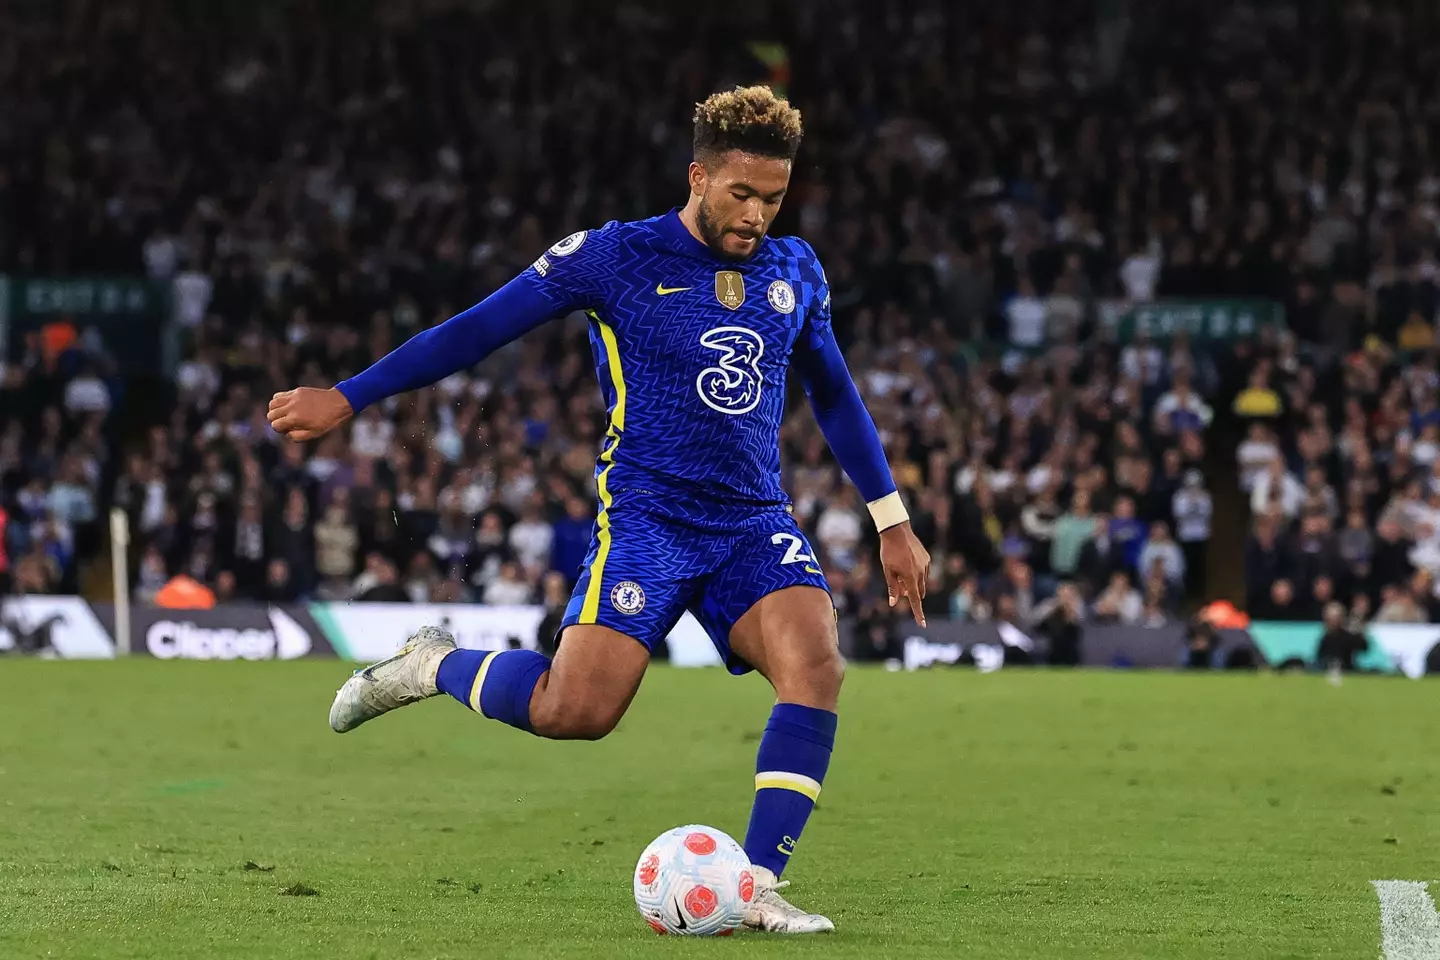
(907,567)
(308,412)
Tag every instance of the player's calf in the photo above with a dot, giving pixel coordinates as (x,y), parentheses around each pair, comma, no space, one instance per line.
(790,637)
(581,695)
(559,718)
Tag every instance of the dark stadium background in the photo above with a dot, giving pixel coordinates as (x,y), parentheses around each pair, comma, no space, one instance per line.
(1089,260)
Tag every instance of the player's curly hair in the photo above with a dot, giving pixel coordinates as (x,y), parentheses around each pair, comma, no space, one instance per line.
(749,119)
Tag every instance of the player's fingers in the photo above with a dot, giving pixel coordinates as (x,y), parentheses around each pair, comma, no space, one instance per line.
(893,587)
(915,607)
(922,579)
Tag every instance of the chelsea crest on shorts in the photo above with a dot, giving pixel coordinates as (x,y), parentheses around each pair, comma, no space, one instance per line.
(627,597)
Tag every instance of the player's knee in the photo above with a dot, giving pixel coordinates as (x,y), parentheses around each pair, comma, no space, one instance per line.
(828,669)
(813,675)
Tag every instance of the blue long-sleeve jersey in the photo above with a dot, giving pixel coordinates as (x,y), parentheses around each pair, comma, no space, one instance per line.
(691,351)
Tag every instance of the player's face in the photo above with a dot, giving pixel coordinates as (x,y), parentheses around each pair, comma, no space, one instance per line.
(739,198)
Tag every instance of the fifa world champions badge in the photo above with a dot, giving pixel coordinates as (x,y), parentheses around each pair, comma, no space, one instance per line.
(730,288)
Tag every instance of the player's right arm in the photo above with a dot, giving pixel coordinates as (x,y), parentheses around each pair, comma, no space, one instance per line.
(851,434)
(556,284)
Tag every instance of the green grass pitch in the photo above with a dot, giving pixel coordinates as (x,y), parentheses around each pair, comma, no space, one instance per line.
(1016,815)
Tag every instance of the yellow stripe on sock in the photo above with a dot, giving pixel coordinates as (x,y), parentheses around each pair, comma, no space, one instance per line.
(480,682)
(590,609)
(780,780)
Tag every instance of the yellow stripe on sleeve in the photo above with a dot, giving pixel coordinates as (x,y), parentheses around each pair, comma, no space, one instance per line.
(590,609)
(480,682)
(780,780)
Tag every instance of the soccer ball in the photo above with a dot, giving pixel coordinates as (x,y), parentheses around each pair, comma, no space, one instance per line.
(694,881)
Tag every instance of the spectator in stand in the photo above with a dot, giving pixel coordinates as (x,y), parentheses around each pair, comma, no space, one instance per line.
(1258,401)
(280,585)
(1119,602)
(532,538)
(379,582)
(1038,520)
(1127,532)
(1060,621)
(1194,512)
(555,594)
(1339,645)
(1278,603)
(1179,409)
(1161,553)
(1072,531)
(509,587)
(1265,561)
(1398,605)
(1255,455)
(1100,558)
(839,529)
(1277,492)
(336,541)
(571,538)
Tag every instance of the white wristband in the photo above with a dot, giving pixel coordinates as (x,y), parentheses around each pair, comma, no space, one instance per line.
(889,511)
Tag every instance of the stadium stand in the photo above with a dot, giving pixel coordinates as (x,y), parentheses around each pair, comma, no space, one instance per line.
(353,192)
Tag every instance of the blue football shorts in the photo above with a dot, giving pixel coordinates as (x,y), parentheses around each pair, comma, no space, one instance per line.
(647,565)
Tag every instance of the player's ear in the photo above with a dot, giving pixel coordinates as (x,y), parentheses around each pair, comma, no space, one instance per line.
(699,178)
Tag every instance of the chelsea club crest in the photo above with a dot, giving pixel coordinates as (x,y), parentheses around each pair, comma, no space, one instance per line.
(781,296)
(627,597)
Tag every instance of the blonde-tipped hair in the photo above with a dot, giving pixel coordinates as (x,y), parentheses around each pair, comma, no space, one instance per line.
(748,119)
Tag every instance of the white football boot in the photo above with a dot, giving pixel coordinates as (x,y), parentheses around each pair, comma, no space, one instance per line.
(404,678)
(772,913)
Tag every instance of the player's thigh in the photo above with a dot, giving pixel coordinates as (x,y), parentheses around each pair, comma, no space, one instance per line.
(631,591)
(789,636)
(592,680)
(768,607)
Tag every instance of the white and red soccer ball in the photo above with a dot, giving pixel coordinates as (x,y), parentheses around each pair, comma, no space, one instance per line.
(694,881)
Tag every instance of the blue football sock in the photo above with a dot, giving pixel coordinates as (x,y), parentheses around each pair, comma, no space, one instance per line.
(794,754)
(494,683)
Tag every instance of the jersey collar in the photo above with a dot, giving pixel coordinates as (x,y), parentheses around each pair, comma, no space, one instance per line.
(673,229)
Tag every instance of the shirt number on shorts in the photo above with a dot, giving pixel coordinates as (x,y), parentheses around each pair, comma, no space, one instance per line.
(793,553)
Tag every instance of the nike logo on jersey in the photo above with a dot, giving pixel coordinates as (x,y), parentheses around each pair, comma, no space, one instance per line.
(663,291)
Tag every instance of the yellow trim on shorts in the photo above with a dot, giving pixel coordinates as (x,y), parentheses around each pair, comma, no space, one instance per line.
(480,682)
(590,609)
(780,780)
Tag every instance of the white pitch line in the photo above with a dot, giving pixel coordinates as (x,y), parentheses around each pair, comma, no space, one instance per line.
(1409,925)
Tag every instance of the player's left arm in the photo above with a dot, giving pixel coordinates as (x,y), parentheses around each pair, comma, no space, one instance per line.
(850,432)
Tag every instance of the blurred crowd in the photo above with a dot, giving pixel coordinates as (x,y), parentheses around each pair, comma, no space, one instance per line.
(1340,464)
(319,185)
